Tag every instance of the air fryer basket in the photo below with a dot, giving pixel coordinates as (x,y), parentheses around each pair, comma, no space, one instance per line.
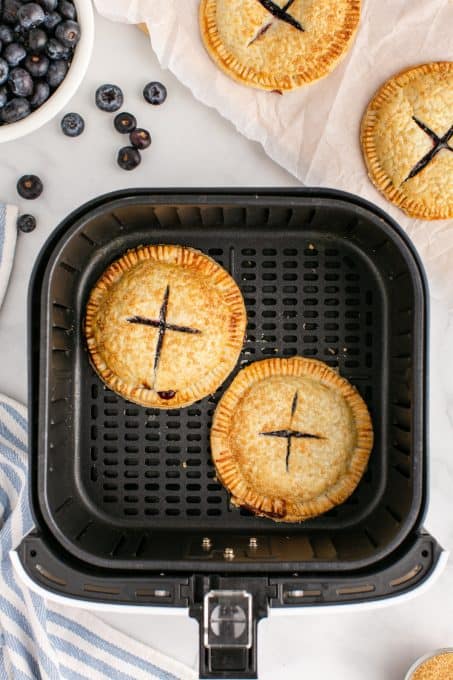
(122,493)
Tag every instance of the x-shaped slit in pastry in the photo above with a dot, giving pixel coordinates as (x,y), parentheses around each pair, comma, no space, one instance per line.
(280,13)
(291,434)
(439,143)
(163,326)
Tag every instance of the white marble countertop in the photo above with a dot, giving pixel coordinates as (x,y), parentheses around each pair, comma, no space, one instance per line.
(194,146)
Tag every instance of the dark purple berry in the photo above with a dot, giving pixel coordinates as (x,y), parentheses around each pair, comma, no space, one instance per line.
(37,65)
(169,394)
(109,98)
(72,124)
(52,19)
(40,94)
(55,50)
(56,72)
(10,10)
(14,53)
(49,5)
(30,15)
(140,138)
(155,93)
(125,122)
(15,110)
(20,82)
(67,9)
(68,33)
(4,71)
(3,96)
(29,187)
(128,158)
(26,223)
(37,39)
(6,35)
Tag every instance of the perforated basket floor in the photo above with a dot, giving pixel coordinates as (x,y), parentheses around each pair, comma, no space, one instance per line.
(322,277)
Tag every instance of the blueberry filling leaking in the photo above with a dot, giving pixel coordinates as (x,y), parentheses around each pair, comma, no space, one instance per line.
(439,143)
(291,434)
(163,327)
(169,394)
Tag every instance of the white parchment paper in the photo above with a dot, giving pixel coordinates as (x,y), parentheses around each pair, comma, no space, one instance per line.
(313,132)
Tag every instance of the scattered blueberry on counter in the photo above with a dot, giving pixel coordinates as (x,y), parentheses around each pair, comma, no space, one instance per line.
(109,98)
(129,158)
(72,124)
(29,187)
(26,223)
(140,138)
(155,93)
(125,122)
(37,43)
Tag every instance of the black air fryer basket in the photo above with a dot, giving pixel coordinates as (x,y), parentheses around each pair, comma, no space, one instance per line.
(126,502)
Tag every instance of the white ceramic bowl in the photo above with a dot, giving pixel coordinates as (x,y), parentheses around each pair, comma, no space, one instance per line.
(68,87)
(422,659)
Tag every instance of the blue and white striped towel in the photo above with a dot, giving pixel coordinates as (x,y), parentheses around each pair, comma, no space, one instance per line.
(39,638)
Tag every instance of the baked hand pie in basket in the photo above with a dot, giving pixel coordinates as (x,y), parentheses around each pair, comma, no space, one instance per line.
(165,325)
(290,438)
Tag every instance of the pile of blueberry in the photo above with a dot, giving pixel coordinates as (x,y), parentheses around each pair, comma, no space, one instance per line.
(37,43)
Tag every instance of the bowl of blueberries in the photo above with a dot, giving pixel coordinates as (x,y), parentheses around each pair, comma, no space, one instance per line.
(45,49)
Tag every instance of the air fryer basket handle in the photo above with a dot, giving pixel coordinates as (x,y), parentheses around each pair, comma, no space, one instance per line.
(228,611)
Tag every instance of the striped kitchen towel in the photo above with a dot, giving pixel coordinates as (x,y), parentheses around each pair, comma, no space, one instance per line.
(40,638)
(8,233)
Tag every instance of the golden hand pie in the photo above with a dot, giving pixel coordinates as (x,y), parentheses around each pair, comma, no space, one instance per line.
(274,45)
(407,140)
(165,325)
(290,438)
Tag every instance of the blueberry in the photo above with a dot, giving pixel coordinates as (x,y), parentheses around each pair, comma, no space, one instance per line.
(125,122)
(52,19)
(40,94)
(26,223)
(29,186)
(37,39)
(57,72)
(10,10)
(68,33)
(155,93)
(55,50)
(14,53)
(49,5)
(20,82)
(140,139)
(30,15)
(109,98)
(128,158)
(4,71)
(3,96)
(72,124)
(37,65)
(67,9)
(15,110)
(6,35)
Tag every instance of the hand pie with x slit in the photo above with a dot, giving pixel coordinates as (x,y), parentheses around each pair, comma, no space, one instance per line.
(276,45)
(165,326)
(290,438)
(407,140)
